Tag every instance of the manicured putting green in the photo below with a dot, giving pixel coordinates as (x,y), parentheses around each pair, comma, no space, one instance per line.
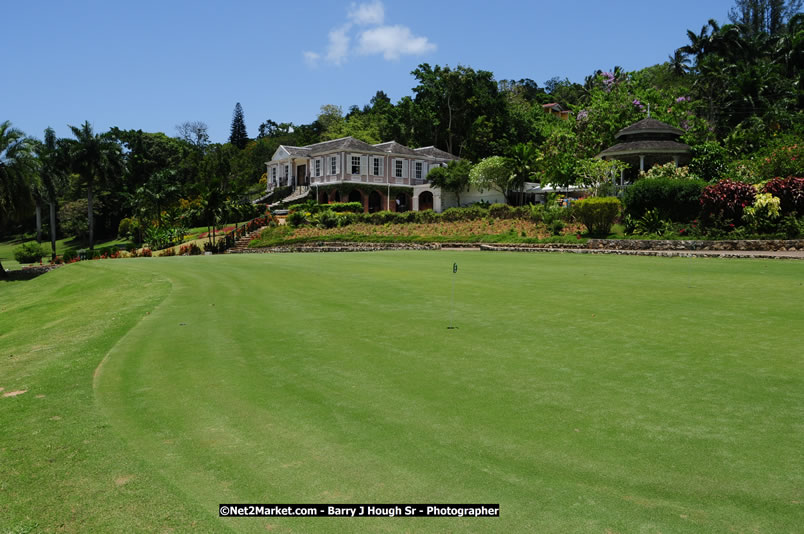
(582,393)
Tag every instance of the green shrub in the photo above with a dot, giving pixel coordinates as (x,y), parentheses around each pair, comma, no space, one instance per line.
(651,224)
(522,212)
(326,219)
(297,218)
(556,226)
(537,212)
(763,214)
(598,214)
(341,207)
(310,206)
(407,217)
(31,252)
(427,216)
(709,161)
(676,200)
(346,218)
(124,228)
(452,214)
(501,211)
(69,254)
(384,217)
(629,224)
(791,227)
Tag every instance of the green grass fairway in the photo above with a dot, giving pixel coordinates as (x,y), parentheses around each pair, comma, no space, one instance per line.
(583,393)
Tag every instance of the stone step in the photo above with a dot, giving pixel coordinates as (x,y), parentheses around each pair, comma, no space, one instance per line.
(242,243)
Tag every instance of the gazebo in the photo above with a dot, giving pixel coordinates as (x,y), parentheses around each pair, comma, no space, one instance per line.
(647,143)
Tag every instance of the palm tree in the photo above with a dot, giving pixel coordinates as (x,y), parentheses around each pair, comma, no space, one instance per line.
(522,162)
(17,175)
(160,190)
(95,158)
(679,63)
(52,176)
(701,44)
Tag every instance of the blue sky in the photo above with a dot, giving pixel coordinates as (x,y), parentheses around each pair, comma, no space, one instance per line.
(154,64)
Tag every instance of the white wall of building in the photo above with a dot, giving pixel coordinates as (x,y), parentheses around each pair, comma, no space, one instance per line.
(473,195)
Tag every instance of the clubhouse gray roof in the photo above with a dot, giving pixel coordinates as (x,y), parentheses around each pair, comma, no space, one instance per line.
(296,150)
(342,144)
(350,144)
(392,147)
(434,152)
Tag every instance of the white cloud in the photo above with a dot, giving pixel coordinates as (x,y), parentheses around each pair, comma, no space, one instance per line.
(338,48)
(311,58)
(393,41)
(373,39)
(373,13)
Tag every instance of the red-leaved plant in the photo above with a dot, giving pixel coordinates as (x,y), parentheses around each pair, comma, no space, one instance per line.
(726,200)
(789,191)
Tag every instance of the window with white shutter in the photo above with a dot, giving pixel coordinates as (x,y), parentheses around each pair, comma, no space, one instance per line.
(355,165)
(398,168)
(333,165)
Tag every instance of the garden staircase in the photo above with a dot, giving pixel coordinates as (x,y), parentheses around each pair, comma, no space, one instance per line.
(241,245)
(299,192)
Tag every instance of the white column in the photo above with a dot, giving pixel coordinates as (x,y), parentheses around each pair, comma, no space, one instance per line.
(642,163)
(675,160)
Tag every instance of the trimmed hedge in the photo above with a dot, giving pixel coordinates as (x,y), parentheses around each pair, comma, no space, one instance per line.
(597,214)
(675,200)
(341,207)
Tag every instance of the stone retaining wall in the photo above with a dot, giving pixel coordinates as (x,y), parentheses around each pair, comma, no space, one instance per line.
(719,249)
(691,244)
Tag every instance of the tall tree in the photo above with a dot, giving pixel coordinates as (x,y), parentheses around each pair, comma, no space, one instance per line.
(238,136)
(17,175)
(448,105)
(52,177)
(195,133)
(96,158)
(764,16)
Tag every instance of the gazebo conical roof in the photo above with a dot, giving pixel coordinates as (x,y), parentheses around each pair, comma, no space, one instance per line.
(647,137)
(649,126)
